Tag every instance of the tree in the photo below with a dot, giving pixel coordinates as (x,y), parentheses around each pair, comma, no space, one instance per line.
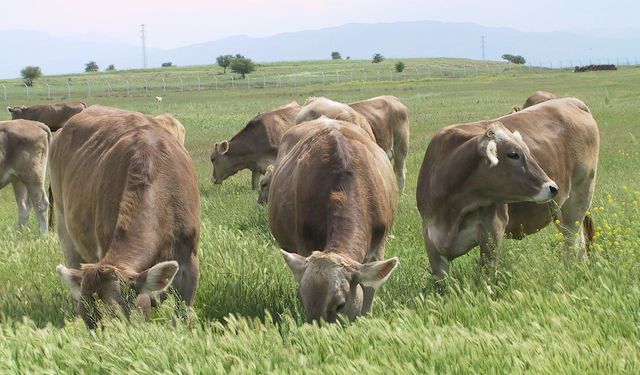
(335,55)
(399,67)
(167,64)
(242,65)
(111,68)
(91,66)
(514,59)
(224,61)
(30,73)
(377,58)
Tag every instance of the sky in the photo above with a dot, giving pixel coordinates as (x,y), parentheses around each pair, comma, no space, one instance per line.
(175,23)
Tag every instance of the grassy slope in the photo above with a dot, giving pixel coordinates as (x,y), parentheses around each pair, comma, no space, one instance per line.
(539,312)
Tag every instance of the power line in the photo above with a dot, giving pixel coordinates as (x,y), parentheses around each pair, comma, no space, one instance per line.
(144,47)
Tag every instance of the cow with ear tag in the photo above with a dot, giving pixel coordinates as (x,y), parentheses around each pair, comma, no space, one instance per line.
(126,195)
(510,176)
(332,203)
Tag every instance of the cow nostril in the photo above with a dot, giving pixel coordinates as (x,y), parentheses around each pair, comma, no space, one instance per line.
(553,189)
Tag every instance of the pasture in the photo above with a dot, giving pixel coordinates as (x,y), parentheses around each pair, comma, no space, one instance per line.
(540,312)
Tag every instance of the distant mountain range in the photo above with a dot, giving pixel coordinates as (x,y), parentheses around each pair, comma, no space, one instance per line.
(59,55)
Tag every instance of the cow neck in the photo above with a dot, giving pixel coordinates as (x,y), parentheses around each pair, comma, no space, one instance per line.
(463,198)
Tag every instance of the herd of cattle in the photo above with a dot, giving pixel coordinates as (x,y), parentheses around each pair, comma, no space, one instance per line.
(125,193)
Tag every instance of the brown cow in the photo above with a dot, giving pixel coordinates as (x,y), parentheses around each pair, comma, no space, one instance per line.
(389,120)
(478,180)
(332,203)
(127,200)
(23,163)
(315,107)
(174,126)
(53,115)
(538,97)
(254,147)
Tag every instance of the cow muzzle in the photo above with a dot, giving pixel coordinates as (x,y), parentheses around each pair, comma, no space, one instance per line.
(215,180)
(547,192)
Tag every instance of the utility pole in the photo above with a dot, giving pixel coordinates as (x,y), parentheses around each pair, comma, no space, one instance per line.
(144,47)
(483,47)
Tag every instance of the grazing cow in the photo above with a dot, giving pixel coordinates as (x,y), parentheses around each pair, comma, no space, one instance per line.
(332,203)
(174,126)
(389,120)
(52,115)
(315,107)
(23,163)
(158,99)
(254,147)
(481,181)
(538,97)
(127,200)
(592,67)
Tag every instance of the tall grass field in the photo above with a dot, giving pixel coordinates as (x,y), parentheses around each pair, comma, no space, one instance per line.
(539,312)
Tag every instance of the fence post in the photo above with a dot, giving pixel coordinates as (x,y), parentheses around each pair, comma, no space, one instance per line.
(27,89)
(323,80)
(146,86)
(464,70)
(68,90)
(199,87)
(108,88)
(365,75)
(280,82)
(216,79)
(48,91)
(350,76)
(264,81)
(295,81)
(308,79)
(181,86)
(378,75)
(248,81)
(233,86)
(127,82)
(4,88)
(164,85)
(404,75)
(392,75)
(88,89)
(337,77)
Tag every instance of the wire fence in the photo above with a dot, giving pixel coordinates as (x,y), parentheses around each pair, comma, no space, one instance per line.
(123,85)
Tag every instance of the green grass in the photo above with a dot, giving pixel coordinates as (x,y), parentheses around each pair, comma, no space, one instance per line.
(539,313)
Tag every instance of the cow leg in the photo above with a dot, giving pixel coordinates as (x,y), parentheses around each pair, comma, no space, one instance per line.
(493,221)
(22,200)
(439,264)
(572,216)
(71,256)
(399,167)
(255,179)
(186,284)
(38,197)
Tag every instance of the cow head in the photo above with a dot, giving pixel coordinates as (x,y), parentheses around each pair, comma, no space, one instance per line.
(264,185)
(114,287)
(17,112)
(510,173)
(222,164)
(329,284)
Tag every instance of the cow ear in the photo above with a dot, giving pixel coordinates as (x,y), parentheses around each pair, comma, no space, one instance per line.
(224,147)
(155,279)
(491,152)
(72,278)
(297,264)
(9,109)
(518,136)
(23,108)
(270,168)
(374,274)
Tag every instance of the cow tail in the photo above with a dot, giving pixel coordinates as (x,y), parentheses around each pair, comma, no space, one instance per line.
(51,215)
(589,229)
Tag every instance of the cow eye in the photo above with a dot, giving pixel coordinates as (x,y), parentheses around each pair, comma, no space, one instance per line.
(513,155)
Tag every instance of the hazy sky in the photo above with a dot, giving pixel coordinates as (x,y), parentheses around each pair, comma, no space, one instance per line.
(172,23)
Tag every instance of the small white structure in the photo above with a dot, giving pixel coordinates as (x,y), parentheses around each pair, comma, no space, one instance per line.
(158,99)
